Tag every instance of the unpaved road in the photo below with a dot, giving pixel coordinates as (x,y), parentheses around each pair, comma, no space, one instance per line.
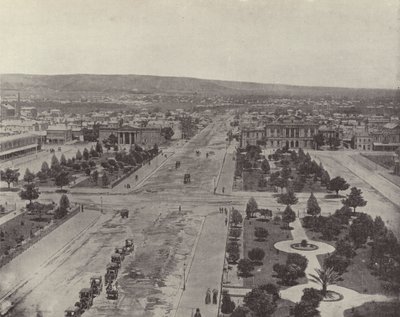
(164,237)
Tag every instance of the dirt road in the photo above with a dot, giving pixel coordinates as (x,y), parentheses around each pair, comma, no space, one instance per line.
(164,238)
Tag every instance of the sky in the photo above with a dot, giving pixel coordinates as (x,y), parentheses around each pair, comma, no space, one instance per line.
(344,43)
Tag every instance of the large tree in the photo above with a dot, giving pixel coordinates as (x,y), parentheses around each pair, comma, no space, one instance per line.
(62,179)
(288,215)
(245,267)
(9,176)
(313,208)
(236,217)
(260,233)
(319,140)
(251,207)
(260,302)
(288,198)
(29,176)
(62,209)
(337,184)
(354,199)
(30,192)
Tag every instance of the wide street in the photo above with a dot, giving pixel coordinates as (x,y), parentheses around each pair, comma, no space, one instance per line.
(176,228)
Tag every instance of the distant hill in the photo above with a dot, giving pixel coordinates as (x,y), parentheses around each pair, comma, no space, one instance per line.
(86,85)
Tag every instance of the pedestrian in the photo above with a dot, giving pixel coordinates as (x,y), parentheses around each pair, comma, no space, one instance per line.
(223,189)
(180,208)
(197,314)
(208,296)
(215,296)
(226,221)
(136,177)
(226,211)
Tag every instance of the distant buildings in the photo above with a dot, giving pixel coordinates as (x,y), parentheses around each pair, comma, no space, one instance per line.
(19,144)
(59,134)
(145,137)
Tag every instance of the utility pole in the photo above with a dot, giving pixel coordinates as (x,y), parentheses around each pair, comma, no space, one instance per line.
(101,204)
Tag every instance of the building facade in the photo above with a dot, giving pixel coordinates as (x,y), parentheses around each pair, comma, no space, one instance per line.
(292,132)
(59,134)
(18,144)
(251,136)
(145,137)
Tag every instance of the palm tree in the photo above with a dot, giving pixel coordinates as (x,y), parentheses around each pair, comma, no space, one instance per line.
(325,277)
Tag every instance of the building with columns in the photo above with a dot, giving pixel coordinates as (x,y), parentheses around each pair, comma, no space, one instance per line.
(291,131)
(145,137)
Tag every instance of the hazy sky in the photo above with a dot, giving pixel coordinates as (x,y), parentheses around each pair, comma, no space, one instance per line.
(350,43)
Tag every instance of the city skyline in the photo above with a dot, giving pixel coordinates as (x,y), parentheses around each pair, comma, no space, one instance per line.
(307,43)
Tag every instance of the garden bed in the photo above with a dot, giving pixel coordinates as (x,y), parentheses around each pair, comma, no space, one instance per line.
(264,273)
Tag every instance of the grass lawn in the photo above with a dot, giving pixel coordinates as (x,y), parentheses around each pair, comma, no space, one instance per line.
(22,225)
(375,309)
(264,273)
(358,276)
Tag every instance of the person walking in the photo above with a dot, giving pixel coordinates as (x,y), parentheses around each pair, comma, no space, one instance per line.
(215,296)
(208,296)
(226,221)
(197,314)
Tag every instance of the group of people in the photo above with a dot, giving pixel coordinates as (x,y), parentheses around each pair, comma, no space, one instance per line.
(224,210)
(214,296)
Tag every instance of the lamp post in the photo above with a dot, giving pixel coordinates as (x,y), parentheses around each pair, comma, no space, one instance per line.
(184,275)
(101,204)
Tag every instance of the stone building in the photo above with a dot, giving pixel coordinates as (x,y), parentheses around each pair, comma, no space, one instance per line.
(19,144)
(251,136)
(145,137)
(291,131)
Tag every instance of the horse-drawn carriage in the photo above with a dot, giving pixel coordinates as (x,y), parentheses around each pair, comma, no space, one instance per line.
(124,213)
(72,312)
(111,272)
(129,247)
(85,299)
(96,284)
(117,259)
(112,291)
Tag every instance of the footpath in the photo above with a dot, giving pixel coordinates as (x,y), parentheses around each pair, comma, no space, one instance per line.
(206,269)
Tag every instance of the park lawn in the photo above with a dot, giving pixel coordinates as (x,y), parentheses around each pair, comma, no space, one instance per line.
(22,225)
(358,276)
(264,273)
(375,309)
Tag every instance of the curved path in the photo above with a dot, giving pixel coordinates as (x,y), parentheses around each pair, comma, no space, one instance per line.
(350,299)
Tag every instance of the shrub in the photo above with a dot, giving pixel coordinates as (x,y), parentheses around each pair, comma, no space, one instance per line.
(304,243)
(245,267)
(235,233)
(260,233)
(256,254)
(271,289)
(227,305)
(337,262)
(299,260)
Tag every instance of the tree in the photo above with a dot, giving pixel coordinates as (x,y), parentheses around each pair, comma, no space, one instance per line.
(235,233)
(104,179)
(167,133)
(288,215)
(265,213)
(355,199)
(29,176)
(236,217)
(95,176)
(85,154)
(78,155)
(64,202)
(359,233)
(337,184)
(9,176)
(62,179)
(227,305)
(45,168)
(260,302)
(325,277)
(245,267)
(318,139)
(333,143)
(313,208)
(30,192)
(260,233)
(99,148)
(256,255)
(305,309)
(325,178)
(251,207)
(337,262)
(286,172)
(265,166)
(63,160)
(279,182)
(344,247)
(288,198)
(93,152)
(271,289)
(379,227)
(329,227)
(55,164)
(300,260)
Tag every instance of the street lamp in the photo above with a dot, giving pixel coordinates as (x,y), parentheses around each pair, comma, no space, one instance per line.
(101,204)
(184,276)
